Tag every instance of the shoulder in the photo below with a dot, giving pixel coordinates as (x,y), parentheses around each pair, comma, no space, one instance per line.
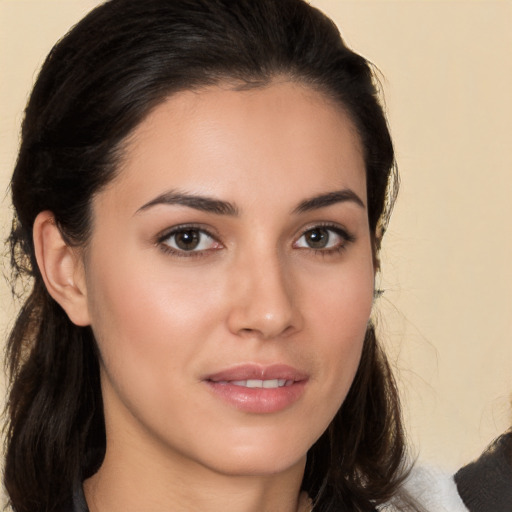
(485,484)
(427,489)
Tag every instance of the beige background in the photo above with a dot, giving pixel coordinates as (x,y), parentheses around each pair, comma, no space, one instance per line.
(446,315)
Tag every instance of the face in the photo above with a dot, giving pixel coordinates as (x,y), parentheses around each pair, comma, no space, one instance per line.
(229,278)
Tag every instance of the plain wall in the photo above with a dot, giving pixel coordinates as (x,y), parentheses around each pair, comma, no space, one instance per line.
(446,313)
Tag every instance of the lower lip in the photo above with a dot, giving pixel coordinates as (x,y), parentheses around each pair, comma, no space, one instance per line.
(258,400)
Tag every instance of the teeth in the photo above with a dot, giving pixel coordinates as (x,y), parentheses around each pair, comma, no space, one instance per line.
(256,383)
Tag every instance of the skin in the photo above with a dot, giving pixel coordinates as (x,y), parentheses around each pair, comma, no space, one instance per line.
(254,291)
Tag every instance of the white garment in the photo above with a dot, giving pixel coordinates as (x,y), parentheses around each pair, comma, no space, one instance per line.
(432,489)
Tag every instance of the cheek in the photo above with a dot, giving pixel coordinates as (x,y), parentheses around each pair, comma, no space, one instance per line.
(339,303)
(338,313)
(149,321)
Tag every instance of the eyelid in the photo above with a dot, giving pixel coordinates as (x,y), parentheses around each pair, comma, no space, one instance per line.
(160,240)
(347,236)
(334,226)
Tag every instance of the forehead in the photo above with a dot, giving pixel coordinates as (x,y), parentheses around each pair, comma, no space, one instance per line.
(218,139)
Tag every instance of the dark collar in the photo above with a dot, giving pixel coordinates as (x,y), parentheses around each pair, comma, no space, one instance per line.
(77,502)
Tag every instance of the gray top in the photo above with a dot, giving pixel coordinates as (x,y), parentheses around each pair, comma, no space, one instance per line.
(485,485)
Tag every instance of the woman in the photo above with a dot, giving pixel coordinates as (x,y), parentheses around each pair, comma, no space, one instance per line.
(200,196)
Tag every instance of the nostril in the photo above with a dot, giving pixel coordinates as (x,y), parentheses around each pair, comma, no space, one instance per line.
(263,306)
(266,333)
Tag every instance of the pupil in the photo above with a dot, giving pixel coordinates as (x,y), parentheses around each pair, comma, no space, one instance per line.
(187,240)
(318,238)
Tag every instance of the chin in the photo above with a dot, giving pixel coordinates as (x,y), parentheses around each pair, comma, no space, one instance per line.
(268,457)
(249,464)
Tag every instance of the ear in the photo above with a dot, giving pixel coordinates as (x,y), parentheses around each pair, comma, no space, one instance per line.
(61,267)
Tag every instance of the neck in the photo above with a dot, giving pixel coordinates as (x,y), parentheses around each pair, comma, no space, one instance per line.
(132,480)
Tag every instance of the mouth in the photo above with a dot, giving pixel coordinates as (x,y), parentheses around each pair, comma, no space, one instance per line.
(255,375)
(257,383)
(258,389)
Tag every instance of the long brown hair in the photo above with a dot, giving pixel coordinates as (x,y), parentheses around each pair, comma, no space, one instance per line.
(95,87)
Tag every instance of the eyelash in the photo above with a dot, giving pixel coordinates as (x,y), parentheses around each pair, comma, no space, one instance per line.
(347,238)
(162,239)
(166,248)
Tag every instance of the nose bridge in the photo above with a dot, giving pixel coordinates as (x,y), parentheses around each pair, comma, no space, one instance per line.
(264,304)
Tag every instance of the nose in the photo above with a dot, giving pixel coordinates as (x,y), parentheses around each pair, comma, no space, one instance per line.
(264,303)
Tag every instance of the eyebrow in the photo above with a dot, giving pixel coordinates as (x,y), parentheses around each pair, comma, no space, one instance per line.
(203,203)
(324,200)
(219,207)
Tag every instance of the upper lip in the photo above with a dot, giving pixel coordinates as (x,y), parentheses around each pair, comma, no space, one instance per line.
(257,371)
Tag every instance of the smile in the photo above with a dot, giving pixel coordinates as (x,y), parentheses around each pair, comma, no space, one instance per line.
(258,389)
(256,383)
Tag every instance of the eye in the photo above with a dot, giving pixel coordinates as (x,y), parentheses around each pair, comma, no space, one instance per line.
(188,240)
(324,238)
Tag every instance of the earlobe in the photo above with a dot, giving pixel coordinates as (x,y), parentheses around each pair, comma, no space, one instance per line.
(61,268)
